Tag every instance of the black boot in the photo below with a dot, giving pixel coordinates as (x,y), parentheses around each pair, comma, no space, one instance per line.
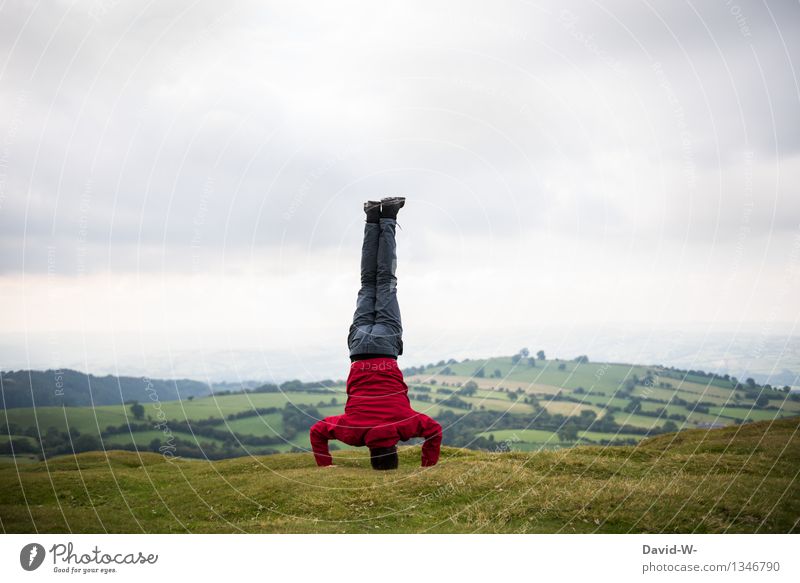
(391,205)
(373,210)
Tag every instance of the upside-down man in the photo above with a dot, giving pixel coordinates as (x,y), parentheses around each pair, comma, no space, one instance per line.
(378,413)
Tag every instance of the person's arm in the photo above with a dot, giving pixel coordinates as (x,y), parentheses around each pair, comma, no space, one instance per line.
(320,433)
(432,432)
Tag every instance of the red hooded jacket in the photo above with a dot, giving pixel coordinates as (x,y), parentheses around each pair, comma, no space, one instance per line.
(377,414)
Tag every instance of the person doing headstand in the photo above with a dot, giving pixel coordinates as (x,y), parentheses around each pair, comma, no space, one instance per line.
(378,412)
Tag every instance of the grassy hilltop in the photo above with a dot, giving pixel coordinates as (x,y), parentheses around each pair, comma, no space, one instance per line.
(737,479)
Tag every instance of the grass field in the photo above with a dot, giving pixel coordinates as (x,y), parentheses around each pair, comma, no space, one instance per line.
(693,417)
(747,413)
(533,439)
(596,436)
(142,438)
(7,438)
(11,460)
(516,436)
(738,479)
(271,424)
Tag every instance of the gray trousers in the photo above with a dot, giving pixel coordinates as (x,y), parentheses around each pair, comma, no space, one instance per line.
(376,327)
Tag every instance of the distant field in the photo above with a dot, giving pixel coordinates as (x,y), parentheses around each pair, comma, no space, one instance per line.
(88,420)
(602,400)
(597,436)
(271,424)
(532,439)
(142,438)
(603,386)
(702,391)
(10,460)
(693,416)
(547,373)
(568,408)
(694,379)
(748,413)
(500,404)
(514,436)
(7,438)
(642,421)
(662,394)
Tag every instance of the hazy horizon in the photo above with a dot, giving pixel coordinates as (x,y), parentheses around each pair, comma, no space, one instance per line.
(767,354)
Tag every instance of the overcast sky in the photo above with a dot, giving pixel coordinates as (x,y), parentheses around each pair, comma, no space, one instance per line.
(189,175)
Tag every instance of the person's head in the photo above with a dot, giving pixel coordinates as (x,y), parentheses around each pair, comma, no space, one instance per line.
(383,458)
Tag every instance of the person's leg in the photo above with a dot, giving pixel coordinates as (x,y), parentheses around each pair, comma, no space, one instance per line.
(365,301)
(388,328)
(364,315)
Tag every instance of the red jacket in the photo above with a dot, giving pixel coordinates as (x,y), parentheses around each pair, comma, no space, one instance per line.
(377,414)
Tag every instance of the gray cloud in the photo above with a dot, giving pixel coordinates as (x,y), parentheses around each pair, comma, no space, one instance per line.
(147,137)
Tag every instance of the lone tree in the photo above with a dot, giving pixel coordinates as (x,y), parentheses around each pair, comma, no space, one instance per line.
(540,355)
(568,432)
(137,410)
(469,389)
(86,442)
(523,353)
(669,427)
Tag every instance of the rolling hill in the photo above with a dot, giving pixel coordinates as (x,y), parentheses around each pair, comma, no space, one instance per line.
(737,479)
(31,388)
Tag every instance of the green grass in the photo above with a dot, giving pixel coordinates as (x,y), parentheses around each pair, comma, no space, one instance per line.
(701,391)
(271,424)
(738,479)
(569,408)
(596,436)
(602,400)
(10,460)
(86,419)
(695,379)
(693,417)
(787,406)
(225,405)
(643,421)
(7,438)
(143,438)
(514,436)
(597,375)
(504,404)
(748,413)
(522,439)
(662,394)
